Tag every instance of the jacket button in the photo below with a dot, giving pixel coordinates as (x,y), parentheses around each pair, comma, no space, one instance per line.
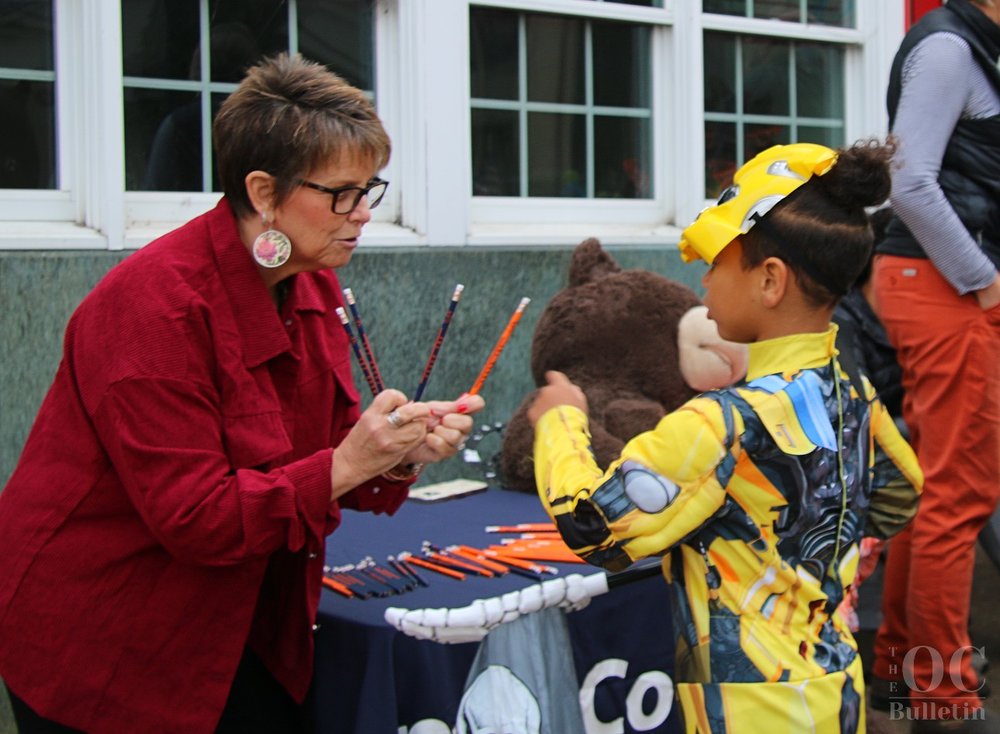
(313,556)
(315,627)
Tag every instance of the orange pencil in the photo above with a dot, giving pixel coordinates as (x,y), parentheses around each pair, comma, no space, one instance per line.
(475,555)
(433,567)
(519,568)
(519,562)
(541,550)
(501,343)
(458,563)
(527,527)
(338,587)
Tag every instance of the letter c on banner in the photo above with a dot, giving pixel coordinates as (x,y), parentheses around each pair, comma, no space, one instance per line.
(655,680)
(608,668)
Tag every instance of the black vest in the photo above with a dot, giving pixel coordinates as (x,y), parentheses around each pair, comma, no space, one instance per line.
(970,169)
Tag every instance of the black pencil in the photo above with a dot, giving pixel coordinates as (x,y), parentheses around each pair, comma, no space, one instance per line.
(353,305)
(455,296)
(346,322)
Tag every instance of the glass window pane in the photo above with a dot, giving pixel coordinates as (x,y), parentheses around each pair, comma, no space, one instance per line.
(781,9)
(726,7)
(765,76)
(555,59)
(493,53)
(831,137)
(720,157)
(757,138)
(819,80)
(622,156)
(341,36)
(26,35)
(827,12)
(234,49)
(621,64)
(832,12)
(495,153)
(557,155)
(264,21)
(576,69)
(162,140)
(166,89)
(27,135)
(27,106)
(720,72)
(160,39)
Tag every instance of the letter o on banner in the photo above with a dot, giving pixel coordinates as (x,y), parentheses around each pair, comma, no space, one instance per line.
(429,726)
(655,680)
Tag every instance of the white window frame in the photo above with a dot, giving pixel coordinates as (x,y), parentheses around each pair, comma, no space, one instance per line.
(422,90)
(557,220)
(868,53)
(52,218)
(149,214)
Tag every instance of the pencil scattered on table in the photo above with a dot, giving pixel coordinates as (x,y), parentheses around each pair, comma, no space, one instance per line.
(455,297)
(410,559)
(498,347)
(369,378)
(554,550)
(406,571)
(336,586)
(522,527)
(363,337)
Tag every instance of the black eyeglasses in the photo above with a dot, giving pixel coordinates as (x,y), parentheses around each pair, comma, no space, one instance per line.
(347,198)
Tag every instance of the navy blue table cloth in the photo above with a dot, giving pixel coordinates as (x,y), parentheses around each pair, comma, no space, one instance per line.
(372,679)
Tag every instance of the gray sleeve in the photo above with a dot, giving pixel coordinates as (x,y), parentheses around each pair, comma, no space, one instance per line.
(939,82)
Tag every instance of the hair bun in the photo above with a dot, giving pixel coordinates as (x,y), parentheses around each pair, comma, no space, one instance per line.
(861,176)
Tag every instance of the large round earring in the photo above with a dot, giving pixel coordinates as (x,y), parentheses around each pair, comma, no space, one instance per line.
(272,249)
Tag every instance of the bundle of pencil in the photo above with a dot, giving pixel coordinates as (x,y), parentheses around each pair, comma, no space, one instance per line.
(549,549)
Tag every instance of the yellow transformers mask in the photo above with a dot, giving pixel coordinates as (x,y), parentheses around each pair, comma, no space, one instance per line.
(760,183)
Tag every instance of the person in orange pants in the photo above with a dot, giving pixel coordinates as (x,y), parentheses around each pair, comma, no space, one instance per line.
(949,349)
(937,288)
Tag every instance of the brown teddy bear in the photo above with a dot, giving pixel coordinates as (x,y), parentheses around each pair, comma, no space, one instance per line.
(637,343)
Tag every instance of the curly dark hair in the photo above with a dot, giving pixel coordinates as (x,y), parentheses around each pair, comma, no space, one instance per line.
(288,116)
(822,229)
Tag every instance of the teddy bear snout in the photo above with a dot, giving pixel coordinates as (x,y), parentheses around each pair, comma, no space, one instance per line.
(707,361)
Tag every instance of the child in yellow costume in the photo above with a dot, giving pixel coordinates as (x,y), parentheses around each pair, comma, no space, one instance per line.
(755,495)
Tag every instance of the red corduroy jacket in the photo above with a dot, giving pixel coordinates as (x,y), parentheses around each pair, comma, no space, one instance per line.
(172,500)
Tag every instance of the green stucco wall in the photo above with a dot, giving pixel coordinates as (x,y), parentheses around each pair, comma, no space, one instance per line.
(402,294)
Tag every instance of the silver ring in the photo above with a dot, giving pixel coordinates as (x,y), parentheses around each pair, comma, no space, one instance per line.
(394,418)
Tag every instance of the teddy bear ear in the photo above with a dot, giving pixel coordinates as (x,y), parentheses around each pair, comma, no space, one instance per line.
(590,262)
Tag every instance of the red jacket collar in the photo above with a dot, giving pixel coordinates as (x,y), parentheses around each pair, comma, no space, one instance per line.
(261,331)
